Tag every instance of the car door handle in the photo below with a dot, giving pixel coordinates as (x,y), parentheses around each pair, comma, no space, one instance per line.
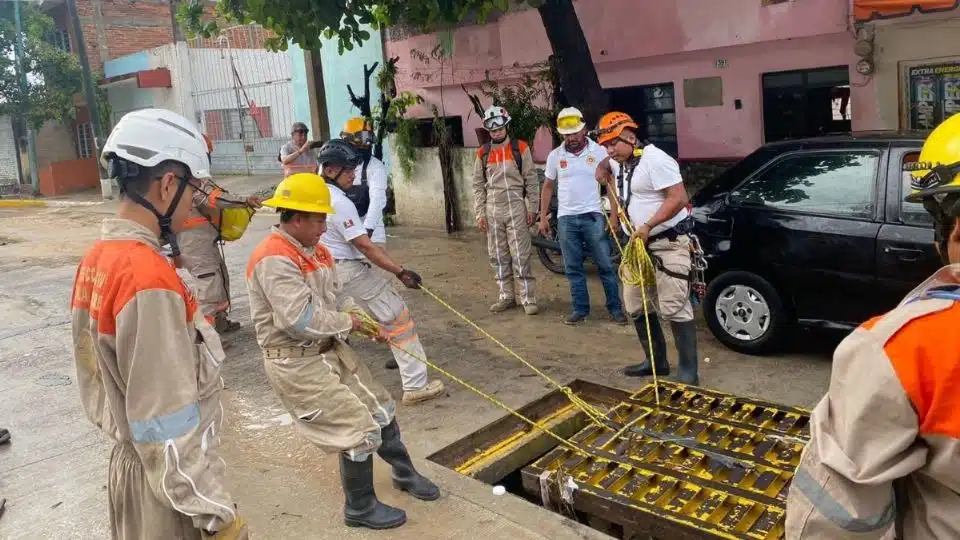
(904,254)
(900,250)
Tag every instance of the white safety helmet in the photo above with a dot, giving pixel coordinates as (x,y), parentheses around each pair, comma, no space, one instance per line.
(570,121)
(148,137)
(495,117)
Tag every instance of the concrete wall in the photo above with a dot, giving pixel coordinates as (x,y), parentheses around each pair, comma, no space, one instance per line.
(419,199)
(9,171)
(901,44)
(638,42)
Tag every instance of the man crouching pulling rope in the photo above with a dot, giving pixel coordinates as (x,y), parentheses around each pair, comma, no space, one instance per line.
(336,404)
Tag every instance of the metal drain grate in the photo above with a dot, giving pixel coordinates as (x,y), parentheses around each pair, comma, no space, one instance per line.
(702,465)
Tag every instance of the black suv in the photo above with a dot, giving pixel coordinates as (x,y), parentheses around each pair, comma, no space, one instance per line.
(812,232)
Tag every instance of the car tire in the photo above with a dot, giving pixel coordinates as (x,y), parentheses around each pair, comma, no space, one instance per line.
(744,295)
(551,259)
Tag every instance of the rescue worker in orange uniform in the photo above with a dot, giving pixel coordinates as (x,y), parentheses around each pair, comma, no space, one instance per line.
(883,459)
(200,242)
(302,322)
(649,184)
(148,363)
(506,198)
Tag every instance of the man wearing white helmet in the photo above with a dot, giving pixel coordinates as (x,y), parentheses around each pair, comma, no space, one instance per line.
(214,211)
(148,363)
(505,191)
(572,167)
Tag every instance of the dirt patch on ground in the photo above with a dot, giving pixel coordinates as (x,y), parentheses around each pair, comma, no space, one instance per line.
(48,236)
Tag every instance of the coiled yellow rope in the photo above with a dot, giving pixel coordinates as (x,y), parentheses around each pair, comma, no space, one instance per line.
(637,269)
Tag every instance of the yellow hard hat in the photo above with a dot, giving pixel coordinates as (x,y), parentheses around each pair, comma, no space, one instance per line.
(937,171)
(234,222)
(358,132)
(305,192)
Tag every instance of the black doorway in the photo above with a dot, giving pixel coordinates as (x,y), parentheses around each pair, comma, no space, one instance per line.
(806,103)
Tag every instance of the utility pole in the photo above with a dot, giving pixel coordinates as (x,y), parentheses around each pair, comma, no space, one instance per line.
(89,94)
(24,100)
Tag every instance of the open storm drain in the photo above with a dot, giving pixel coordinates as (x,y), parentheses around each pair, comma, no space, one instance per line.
(701,465)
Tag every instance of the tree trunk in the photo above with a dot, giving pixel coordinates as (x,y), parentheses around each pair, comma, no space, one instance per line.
(578,75)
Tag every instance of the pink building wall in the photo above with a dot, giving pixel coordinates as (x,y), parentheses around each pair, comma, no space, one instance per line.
(639,42)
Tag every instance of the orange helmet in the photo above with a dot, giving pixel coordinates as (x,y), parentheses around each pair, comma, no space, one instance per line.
(611,126)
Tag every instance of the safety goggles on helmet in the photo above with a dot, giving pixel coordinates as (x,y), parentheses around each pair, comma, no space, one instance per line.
(937,178)
(570,124)
(494,123)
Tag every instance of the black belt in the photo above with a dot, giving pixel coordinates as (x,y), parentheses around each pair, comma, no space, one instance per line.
(684,227)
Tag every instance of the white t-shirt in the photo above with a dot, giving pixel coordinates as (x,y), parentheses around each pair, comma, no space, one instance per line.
(655,172)
(377,184)
(575,175)
(342,227)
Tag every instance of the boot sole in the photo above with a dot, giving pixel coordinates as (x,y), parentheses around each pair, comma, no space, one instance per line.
(399,486)
(375,526)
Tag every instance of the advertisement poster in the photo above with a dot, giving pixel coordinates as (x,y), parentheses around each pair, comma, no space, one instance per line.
(934,94)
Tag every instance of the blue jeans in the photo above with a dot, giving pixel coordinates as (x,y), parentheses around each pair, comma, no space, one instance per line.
(581,235)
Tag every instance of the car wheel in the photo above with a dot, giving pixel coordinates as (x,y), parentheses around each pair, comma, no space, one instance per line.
(745,312)
(553,260)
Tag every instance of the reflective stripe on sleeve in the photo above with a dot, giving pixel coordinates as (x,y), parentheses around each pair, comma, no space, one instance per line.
(830,508)
(167,427)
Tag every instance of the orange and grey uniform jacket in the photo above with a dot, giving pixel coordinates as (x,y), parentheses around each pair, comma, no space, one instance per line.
(207,203)
(884,451)
(505,189)
(148,369)
(293,294)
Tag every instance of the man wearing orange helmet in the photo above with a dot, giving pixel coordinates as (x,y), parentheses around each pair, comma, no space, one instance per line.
(651,192)
(506,199)
(883,459)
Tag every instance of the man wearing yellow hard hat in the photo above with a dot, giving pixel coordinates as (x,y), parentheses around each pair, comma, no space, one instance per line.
(215,217)
(883,459)
(369,189)
(302,322)
(572,168)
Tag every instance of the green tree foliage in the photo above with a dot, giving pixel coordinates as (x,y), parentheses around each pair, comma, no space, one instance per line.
(53,75)
(305,21)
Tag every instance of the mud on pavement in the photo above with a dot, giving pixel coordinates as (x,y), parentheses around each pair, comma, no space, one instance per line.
(53,472)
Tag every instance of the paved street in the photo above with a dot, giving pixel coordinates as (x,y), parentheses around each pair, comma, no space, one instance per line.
(53,473)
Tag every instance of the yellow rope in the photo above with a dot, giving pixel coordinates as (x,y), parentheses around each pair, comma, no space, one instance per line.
(637,269)
(592,412)
(371,328)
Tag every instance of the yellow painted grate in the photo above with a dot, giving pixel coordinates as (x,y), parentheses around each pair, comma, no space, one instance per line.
(704,464)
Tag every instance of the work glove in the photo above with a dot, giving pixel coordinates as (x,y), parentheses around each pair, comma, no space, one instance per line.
(236,531)
(410,279)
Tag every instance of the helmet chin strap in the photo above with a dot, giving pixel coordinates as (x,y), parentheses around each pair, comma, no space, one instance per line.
(164,220)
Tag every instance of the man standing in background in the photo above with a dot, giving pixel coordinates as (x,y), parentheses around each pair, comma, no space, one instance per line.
(369,190)
(572,168)
(505,192)
(297,154)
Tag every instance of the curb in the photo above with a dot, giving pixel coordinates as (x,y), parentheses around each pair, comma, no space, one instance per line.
(21,203)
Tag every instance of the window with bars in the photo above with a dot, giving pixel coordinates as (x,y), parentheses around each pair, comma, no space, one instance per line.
(61,40)
(231,125)
(85,146)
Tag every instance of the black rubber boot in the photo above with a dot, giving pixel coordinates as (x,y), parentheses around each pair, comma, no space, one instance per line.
(685,339)
(362,509)
(405,476)
(659,348)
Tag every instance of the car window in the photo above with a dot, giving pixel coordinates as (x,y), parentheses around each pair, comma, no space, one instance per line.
(834,183)
(911,213)
(735,174)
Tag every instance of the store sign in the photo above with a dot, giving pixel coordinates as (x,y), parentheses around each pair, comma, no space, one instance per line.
(934,94)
